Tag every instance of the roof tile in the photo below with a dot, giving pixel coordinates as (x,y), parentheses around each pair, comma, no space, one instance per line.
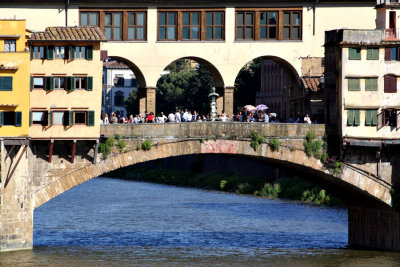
(81,33)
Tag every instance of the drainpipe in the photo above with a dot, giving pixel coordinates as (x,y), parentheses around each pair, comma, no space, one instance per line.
(314,8)
(66,13)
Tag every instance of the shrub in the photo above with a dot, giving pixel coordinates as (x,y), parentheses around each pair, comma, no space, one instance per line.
(139,147)
(110,142)
(269,190)
(202,140)
(275,144)
(244,188)
(222,184)
(117,136)
(292,149)
(256,140)
(310,136)
(333,165)
(121,145)
(146,145)
(311,147)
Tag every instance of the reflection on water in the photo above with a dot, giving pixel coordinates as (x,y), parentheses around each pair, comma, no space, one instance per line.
(117,222)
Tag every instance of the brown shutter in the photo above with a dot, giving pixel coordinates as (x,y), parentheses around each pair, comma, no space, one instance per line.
(387,53)
(386,84)
(394,84)
(103,55)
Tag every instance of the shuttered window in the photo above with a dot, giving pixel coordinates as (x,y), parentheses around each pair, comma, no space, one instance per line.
(6,83)
(372,53)
(353,117)
(371,84)
(354,84)
(354,53)
(90,120)
(371,117)
(390,84)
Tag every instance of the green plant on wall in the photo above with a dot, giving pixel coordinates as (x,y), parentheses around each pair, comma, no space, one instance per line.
(256,140)
(121,145)
(105,148)
(145,145)
(312,147)
(275,144)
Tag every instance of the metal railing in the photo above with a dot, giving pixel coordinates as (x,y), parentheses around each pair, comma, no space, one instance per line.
(391,34)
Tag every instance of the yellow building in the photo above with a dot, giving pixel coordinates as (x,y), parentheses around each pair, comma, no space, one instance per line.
(66,84)
(14,85)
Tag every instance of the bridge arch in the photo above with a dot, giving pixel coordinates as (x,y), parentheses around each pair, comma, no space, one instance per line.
(135,69)
(352,185)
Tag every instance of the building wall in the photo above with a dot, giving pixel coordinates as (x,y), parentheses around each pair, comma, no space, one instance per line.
(368,99)
(68,100)
(228,56)
(20,92)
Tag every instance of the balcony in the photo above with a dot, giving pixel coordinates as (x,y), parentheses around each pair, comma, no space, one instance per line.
(391,34)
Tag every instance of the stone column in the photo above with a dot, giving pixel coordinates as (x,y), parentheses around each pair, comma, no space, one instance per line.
(220,99)
(147,100)
(228,101)
(16,215)
(374,228)
(151,99)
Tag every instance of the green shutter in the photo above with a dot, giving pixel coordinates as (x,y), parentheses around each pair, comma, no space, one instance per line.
(371,84)
(368,118)
(354,84)
(71,118)
(72,83)
(30,117)
(350,117)
(66,118)
(356,117)
(45,118)
(31,83)
(6,83)
(89,83)
(49,52)
(374,117)
(31,51)
(71,52)
(373,53)
(49,83)
(51,118)
(18,118)
(354,53)
(90,120)
(89,52)
(1,118)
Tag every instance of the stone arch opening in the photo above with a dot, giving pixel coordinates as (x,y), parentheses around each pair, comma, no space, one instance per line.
(270,79)
(121,75)
(185,84)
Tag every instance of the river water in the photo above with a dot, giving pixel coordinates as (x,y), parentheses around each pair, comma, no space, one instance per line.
(109,222)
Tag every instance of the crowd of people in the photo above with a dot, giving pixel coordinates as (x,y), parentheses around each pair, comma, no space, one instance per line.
(187,116)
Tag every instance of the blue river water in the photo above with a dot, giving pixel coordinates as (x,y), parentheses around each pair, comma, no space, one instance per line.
(112,222)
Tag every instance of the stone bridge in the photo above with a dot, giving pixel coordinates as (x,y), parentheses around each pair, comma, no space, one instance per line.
(30,180)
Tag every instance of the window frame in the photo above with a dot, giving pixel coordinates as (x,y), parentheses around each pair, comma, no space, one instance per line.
(166,26)
(213,25)
(136,26)
(6,79)
(44,121)
(371,117)
(353,117)
(55,78)
(61,55)
(53,115)
(119,94)
(245,26)
(268,25)
(371,53)
(43,82)
(81,83)
(291,25)
(353,84)
(79,111)
(190,26)
(113,26)
(10,42)
(390,84)
(353,56)
(89,20)
(373,81)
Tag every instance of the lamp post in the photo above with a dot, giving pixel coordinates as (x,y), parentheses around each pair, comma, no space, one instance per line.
(213,95)
(115,81)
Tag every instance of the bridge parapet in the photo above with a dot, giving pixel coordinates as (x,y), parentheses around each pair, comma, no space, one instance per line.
(212,129)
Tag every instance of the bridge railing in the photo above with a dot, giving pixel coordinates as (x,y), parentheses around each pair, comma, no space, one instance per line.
(211,129)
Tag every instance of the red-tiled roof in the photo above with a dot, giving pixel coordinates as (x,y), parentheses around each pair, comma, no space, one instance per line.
(311,83)
(114,65)
(81,33)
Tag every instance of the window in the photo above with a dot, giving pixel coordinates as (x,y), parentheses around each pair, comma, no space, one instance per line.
(389,118)
(353,117)
(119,99)
(58,117)
(9,45)
(214,25)
(38,82)
(113,26)
(6,83)
(10,118)
(354,84)
(392,53)
(59,52)
(80,52)
(291,25)
(80,82)
(136,26)
(372,53)
(120,81)
(354,53)
(190,26)
(245,25)
(80,117)
(38,52)
(390,84)
(371,84)
(167,24)
(268,24)
(40,117)
(59,83)
(89,19)
(371,117)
